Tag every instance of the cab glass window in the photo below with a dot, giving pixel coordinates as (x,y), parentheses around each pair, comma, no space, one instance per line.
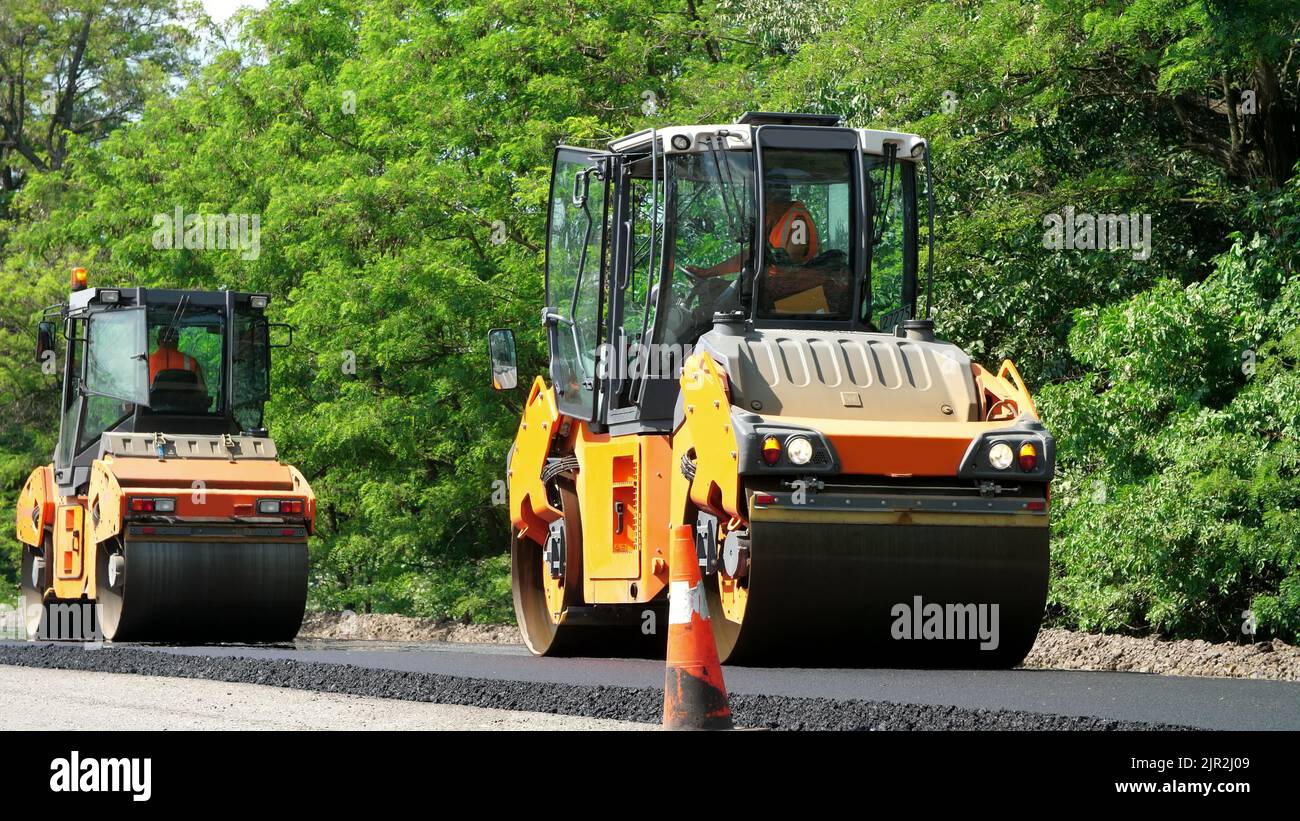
(185,359)
(575,248)
(890,188)
(116,376)
(251,368)
(808,216)
(114,363)
(711,203)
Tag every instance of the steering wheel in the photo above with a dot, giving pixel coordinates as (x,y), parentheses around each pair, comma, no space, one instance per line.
(696,290)
(694,278)
(693,310)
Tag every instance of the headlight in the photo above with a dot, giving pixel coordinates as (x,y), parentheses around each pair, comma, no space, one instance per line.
(164,505)
(799,449)
(1000,456)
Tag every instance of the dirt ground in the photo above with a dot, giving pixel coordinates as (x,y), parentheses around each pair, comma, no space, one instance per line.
(1067,650)
(389,627)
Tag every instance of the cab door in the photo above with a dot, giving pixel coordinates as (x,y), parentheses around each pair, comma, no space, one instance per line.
(575,267)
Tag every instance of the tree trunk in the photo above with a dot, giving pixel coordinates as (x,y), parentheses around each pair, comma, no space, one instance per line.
(1274,130)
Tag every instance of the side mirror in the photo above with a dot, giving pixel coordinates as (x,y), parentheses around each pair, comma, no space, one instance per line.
(44,340)
(501,348)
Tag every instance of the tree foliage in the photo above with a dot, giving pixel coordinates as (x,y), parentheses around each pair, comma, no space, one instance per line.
(78,70)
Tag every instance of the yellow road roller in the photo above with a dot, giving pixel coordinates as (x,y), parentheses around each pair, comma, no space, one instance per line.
(736,344)
(166,514)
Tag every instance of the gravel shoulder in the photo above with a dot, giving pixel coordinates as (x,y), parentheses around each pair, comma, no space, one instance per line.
(80,700)
(1056,649)
(347,625)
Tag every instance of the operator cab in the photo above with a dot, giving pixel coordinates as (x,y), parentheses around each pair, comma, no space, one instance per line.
(141,360)
(780,221)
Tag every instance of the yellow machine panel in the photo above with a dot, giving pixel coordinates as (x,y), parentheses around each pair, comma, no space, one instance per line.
(36,506)
(69,558)
(528,504)
(607,490)
(708,416)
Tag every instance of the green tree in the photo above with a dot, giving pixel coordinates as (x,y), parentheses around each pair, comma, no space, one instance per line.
(81,69)
(1179,504)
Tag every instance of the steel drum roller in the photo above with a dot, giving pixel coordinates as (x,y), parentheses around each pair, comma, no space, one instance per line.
(825,594)
(204,591)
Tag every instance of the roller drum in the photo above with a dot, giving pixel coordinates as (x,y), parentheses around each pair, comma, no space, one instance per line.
(833,594)
(203,592)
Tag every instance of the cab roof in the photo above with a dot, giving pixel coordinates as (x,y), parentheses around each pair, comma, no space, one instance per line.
(740,135)
(84,299)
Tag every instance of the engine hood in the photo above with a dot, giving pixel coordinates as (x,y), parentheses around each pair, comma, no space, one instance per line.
(845,375)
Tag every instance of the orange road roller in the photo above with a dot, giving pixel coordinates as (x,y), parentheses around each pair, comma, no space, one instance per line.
(166,512)
(735,345)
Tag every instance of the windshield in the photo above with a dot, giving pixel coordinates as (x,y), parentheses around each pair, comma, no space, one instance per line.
(807,208)
(811,213)
(185,359)
(163,361)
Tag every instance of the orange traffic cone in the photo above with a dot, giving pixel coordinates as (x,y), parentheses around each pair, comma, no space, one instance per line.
(695,697)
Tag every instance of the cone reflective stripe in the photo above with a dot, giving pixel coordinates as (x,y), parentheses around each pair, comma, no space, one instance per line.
(695,697)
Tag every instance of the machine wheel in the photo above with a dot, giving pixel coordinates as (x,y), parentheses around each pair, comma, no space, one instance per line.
(727,601)
(201,592)
(110,580)
(541,601)
(541,633)
(830,602)
(539,598)
(32,586)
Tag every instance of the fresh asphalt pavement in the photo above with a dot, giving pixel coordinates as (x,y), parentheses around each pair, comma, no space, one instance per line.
(1209,703)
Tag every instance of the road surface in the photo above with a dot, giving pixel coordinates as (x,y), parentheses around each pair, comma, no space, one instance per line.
(493,674)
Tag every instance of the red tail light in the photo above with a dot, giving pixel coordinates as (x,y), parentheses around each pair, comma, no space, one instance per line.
(771,450)
(280,506)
